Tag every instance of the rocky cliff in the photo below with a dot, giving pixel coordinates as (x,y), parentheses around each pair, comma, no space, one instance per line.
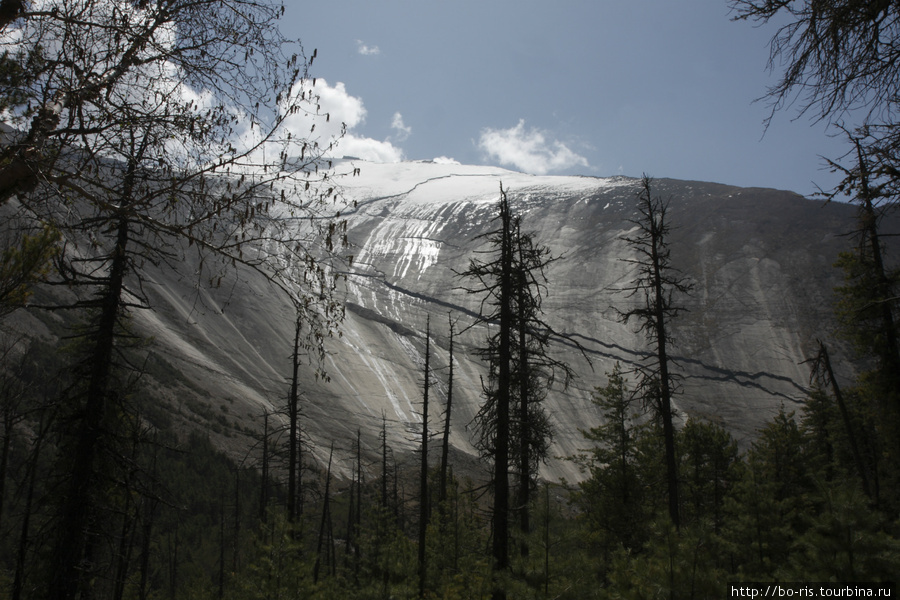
(761,261)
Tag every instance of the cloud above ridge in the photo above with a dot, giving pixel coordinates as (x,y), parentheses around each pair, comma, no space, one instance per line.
(528,150)
(403,130)
(336,107)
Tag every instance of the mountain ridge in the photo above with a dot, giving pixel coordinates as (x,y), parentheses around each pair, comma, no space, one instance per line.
(416,224)
(761,261)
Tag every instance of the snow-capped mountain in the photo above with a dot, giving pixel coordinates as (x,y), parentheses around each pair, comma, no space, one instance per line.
(760,259)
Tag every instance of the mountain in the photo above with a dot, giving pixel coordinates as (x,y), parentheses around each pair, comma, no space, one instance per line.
(760,259)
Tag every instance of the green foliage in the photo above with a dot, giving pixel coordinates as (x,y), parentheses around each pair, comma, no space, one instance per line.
(457,538)
(867,312)
(844,540)
(765,510)
(180,520)
(612,498)
(776,513)
(709,458)
(16,72)
(276,565)
(24,261)
(675,564)
(859,302)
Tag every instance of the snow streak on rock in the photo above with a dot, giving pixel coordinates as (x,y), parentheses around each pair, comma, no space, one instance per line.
(763,289)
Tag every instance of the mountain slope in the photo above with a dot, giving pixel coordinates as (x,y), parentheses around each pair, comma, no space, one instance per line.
(760,259)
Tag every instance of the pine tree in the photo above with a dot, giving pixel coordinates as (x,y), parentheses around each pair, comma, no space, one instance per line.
(612,496)
(293,410)
(655,286)
(708,459)
(867,302)
(513,429)
(770,499)
(496,279)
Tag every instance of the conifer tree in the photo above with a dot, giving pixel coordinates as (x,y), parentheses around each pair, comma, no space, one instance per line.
(325,541)
(534,371)
(654,287)
(512,426)
(708,458)
(25,259)
(819,413)
(840,62)
(867,306)
(384,463)
(771,499)
(496,282)
(129,147)
(612,495)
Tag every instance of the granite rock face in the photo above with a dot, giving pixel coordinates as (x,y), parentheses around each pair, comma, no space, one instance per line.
(761,262)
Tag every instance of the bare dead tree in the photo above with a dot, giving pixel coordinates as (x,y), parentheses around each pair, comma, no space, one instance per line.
(513,430)
(148,133)
(655,287)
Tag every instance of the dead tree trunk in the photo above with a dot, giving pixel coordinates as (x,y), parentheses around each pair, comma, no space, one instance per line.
(423,475)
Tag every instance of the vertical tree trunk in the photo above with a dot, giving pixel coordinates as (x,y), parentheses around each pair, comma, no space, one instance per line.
(399,517)
(359,484)
(654,285)
(525,475)
(293,418)
(74,546)
(384,463)
(890,358)
(264,480)
(236,538)
(870,227)
(665,382)
(126,544)
(349,539)
(221,593)
(546,540)
(299,479)
(4,453)
(445,444)
(325,524)
(173,563)
(423,475)
(25,530)
(845,416)
(500,542)
(147,529)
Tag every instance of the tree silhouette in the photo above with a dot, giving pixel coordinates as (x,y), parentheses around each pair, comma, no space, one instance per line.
(512,427)
(149,135)
(655,286)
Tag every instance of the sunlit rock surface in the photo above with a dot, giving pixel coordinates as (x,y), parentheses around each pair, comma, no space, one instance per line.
(761,262)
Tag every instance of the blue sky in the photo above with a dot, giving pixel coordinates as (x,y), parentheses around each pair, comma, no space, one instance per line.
(593,87)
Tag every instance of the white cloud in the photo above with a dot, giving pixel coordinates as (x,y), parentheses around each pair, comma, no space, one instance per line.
(528,150)
(445,160)
(365,49)
(337,107)
(403,130)
(317,110)
(369,149)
